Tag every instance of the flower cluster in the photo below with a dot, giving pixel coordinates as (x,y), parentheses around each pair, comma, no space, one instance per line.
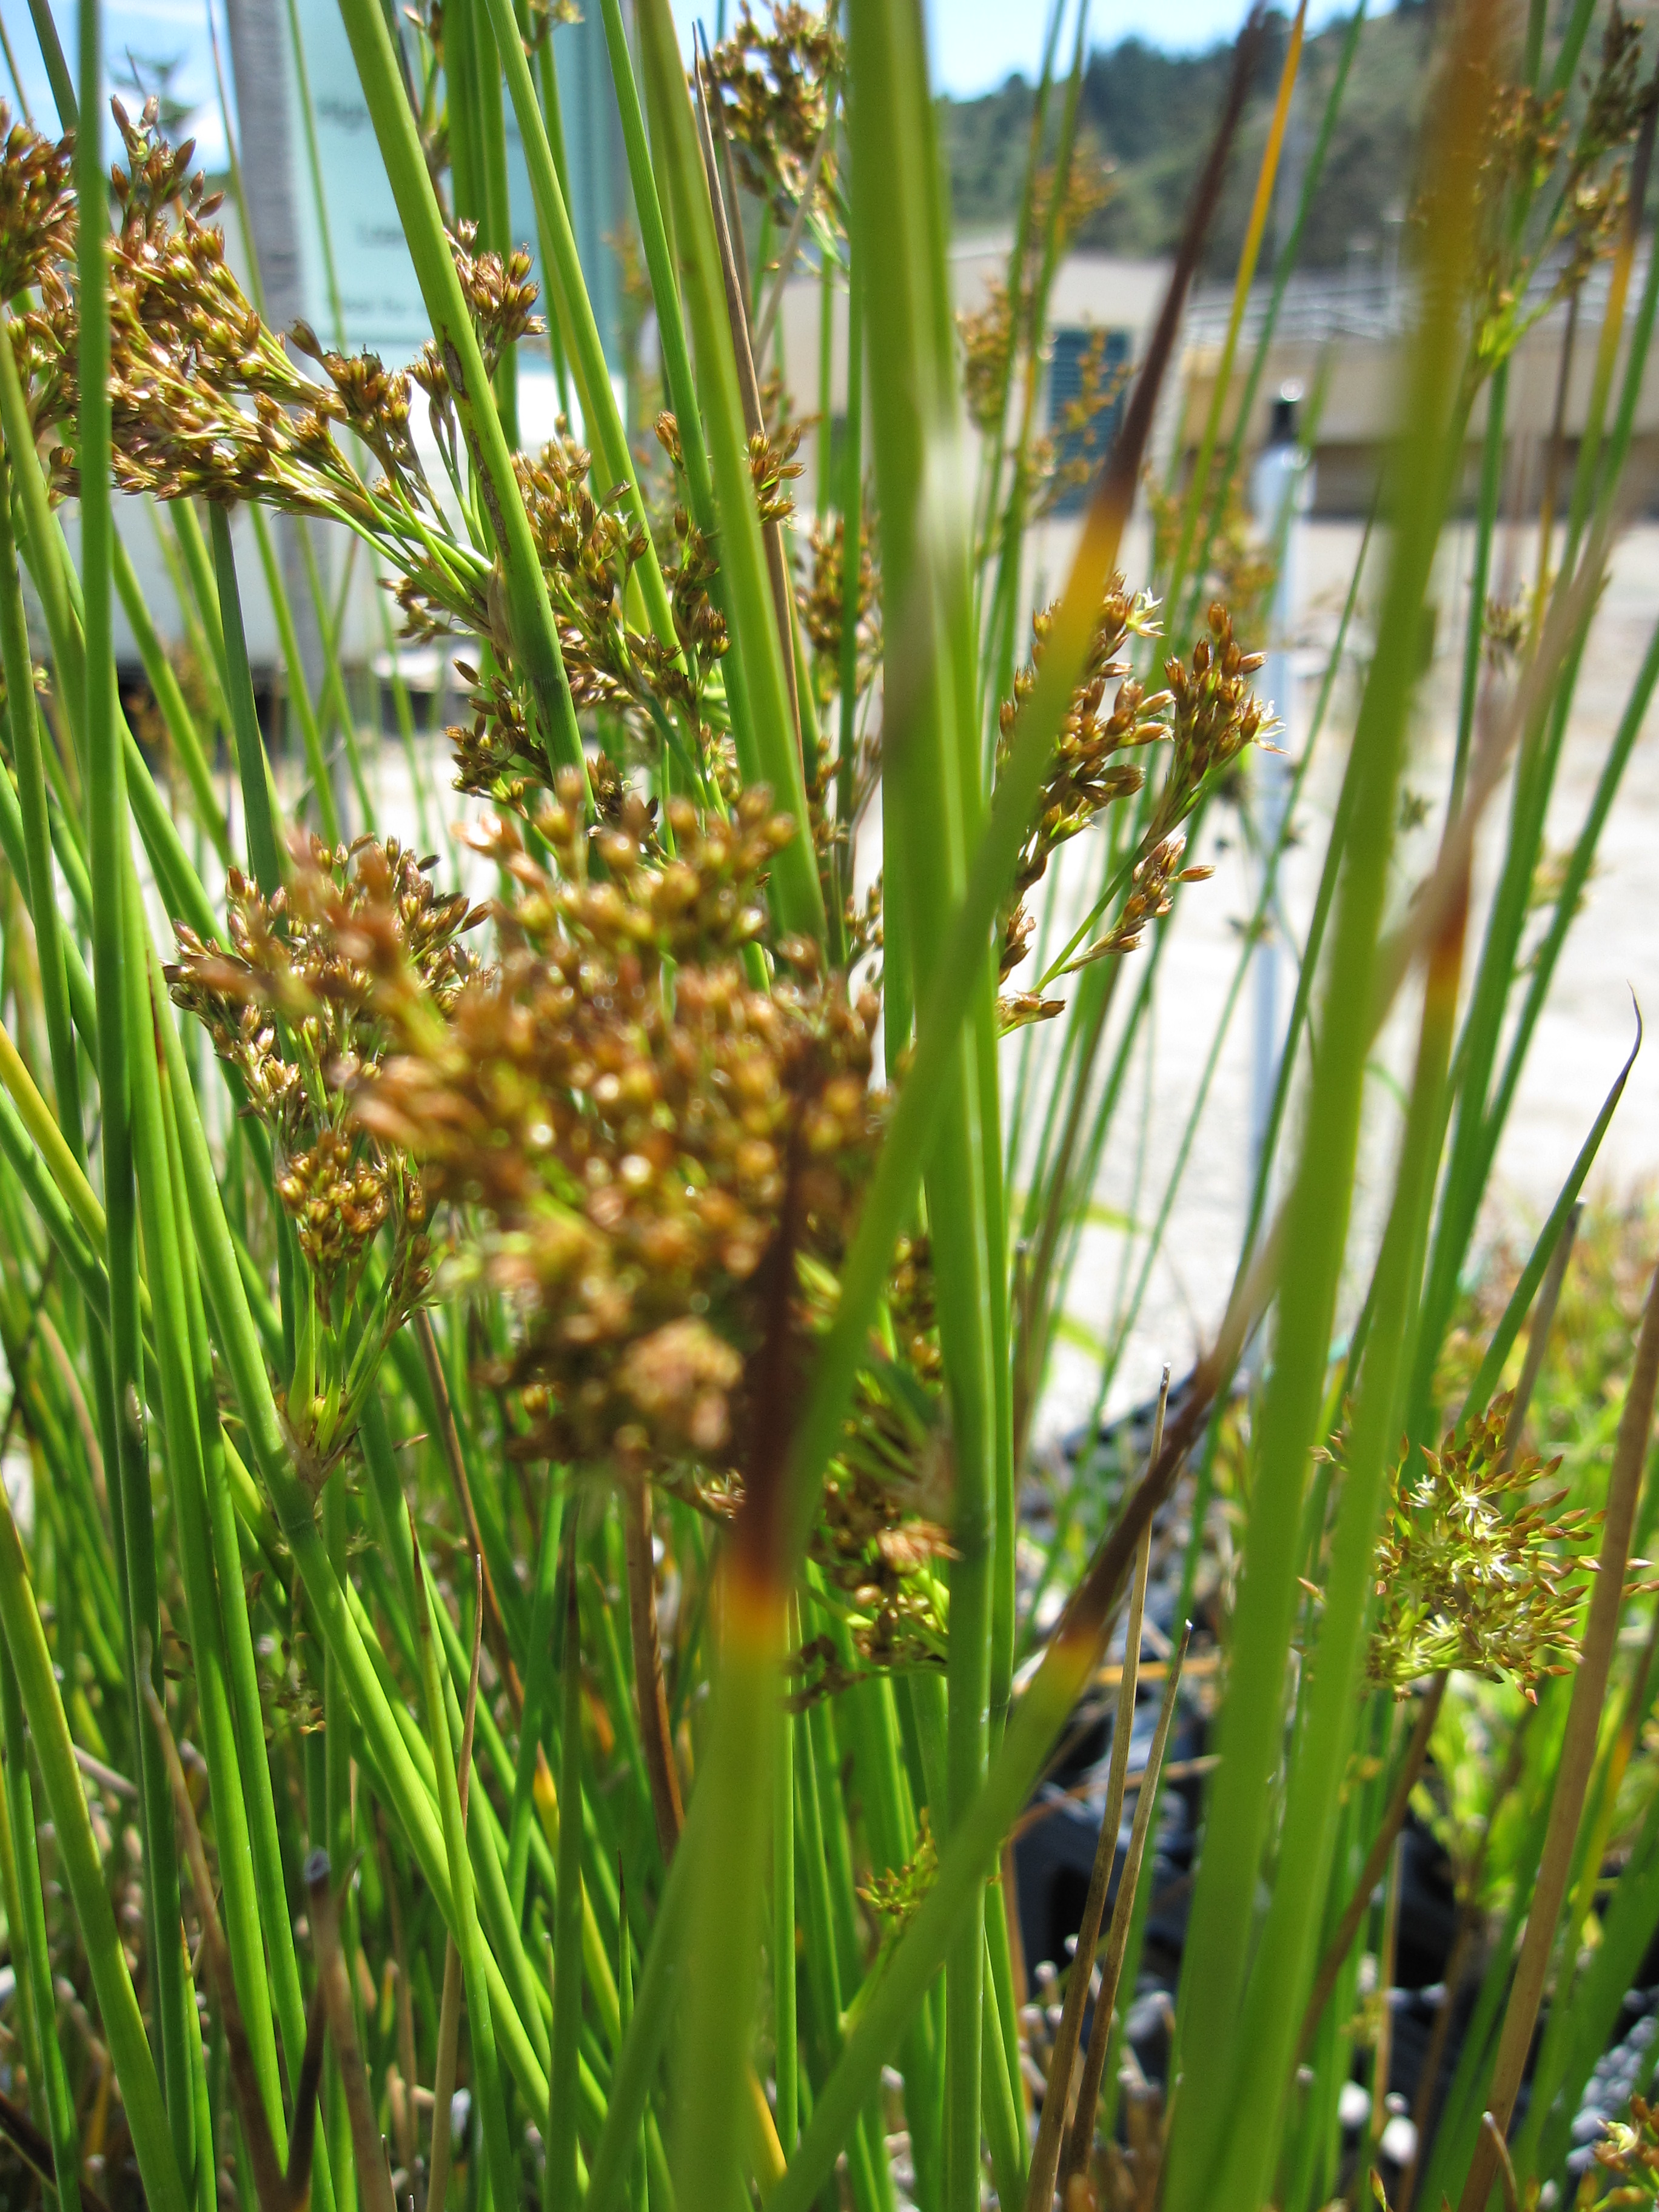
(1085,772)
(1531,147)
(1629,2155)
(1150,899)
(1474,1570)
(823,605)
(1213,717)
(294,1006)
(37,209)
(1068,458)
(660,1153)
(501,297)
(640,1119)
(1239,567)
(775,89)
(987,333)
(893,1897)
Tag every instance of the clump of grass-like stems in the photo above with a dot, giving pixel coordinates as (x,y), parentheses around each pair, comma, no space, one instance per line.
(528,1359)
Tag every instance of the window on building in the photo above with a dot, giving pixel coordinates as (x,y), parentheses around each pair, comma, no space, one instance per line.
(1085,368)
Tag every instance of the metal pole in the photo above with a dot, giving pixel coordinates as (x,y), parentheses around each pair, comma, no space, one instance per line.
(1281,487)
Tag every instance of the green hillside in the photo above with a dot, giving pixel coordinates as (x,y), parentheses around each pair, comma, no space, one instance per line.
(1148,115)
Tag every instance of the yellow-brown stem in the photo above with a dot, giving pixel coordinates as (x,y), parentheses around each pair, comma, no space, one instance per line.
(449,1438)
(1377,1858)
(650,1690)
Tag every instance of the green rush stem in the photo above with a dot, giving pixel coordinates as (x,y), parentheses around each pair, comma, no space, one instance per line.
(538,1687)
(787,2049)
(1003,626)
(52,53)
(241,1664)
(1014,281)
(1548,1889)
(1313,944)
(823,470)
(35,1983)
(851,513)
(1280,1978)
(181,722)
(1548,1240)
(335,1832)
(601,415)
(825,1933)
(253,769)
(933,809)
(22,717)
(1310,955)
(198,563)
(179,1411)
(654,241)
(1479,1126)
(496,229)
(403,1767)
(206,2165)
(15,1744)
(1628,1921)
(83,1871)
(767,750)
(562,2184)
(1316,1226)
(106,795)
(723,1928)
(469,1938)
(971,1850)
(314,173)
(299,691)
(1492,478)
(1543,963)
(530,614)
(1200,493)
(1283,270)
(335,707)
(548,96)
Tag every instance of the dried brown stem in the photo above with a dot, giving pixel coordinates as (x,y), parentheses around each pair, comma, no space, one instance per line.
(1491,2137)
(1110,508)
(449,1438)
(1084,1623)
(1577,1750)
(1383,2052)
(404,2109)
(18,2130)
(792,242)
(1045,2158)
(1377,1858)
(1080,2141)
(274,2190)
(650,1691)
(1468,1922)
(333,1983)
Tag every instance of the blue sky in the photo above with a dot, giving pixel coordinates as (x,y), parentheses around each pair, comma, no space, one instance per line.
(976,43)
